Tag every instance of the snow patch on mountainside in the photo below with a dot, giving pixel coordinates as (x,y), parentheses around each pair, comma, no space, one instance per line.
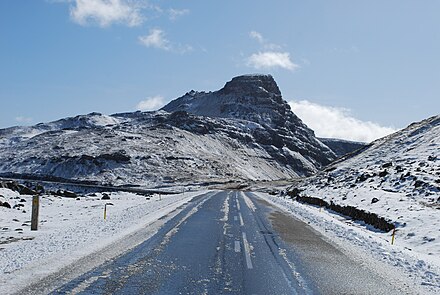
(149,149)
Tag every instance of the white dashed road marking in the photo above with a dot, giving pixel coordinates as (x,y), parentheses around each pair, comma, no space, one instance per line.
(237,246)
(247,253)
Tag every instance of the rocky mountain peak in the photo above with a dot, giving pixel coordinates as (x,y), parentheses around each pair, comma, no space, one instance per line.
(257,99)
(252,85)
(254,98)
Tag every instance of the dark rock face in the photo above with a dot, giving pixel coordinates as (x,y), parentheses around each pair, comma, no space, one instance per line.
(252,85)
(254,98)
(342,147)
(257,99)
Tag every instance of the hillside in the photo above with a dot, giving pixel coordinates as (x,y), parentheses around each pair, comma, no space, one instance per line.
(260,139)
(396,177)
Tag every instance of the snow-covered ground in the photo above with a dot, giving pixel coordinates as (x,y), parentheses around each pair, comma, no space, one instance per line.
(70,229)
(398,178)
(370,246)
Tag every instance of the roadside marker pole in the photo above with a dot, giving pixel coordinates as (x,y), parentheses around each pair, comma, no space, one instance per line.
(392,236)
(35,211)
(105,209)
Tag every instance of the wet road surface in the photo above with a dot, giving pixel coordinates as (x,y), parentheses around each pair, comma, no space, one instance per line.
(231,243)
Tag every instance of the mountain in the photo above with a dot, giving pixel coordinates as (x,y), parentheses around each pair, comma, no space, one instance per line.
(257,99)
(245,131)
(396,177)
(342,147)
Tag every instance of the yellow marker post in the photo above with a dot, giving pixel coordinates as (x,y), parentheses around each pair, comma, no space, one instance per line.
(392,236)
(105,209)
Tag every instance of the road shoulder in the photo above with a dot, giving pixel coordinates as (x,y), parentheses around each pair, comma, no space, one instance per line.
(330,259)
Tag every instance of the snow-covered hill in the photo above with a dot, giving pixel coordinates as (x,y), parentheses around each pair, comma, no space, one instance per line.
(247,132)
(396,177)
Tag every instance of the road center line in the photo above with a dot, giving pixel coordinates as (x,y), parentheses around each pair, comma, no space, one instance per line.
(235,218)
(225,209)
(241,219)
(237,246)
(238,204)
(248,202)
(247,252)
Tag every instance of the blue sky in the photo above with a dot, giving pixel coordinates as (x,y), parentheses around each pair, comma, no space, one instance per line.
(363,67)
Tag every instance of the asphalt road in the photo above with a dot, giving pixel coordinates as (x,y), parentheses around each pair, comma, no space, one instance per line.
(231,243)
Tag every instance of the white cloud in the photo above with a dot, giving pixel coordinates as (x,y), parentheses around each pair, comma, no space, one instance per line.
(156,39)
(271,59)
(22,119)
(176,13)
(263,42)
(335,122)
(106,12)
(257,36)
(151,103)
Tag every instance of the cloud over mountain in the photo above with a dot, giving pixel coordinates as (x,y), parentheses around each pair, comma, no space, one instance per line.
(335,122)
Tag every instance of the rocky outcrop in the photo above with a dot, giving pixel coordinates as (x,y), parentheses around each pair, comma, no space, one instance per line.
(16,187)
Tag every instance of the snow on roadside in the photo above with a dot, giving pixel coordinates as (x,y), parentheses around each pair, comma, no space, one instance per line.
(69,229)
(420,269)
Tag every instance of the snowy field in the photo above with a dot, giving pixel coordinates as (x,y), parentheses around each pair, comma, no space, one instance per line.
(370,246)
(70,229)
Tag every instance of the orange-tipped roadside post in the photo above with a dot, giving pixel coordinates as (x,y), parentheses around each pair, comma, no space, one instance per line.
(393,235)
(105,209)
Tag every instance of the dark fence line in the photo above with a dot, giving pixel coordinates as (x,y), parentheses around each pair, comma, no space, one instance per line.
(349,211)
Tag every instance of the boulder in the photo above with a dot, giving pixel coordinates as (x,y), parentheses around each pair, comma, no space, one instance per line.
(5,204)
